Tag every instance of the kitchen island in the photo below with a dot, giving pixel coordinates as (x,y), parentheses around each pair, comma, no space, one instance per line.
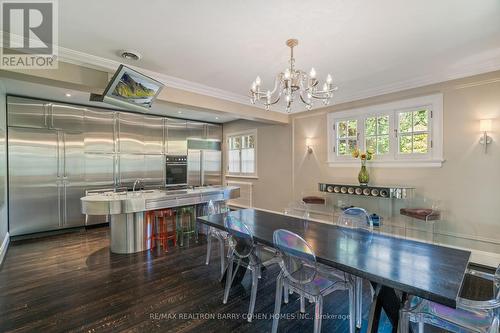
(130,232)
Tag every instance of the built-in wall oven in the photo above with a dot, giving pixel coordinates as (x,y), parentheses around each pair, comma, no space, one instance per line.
(176,170)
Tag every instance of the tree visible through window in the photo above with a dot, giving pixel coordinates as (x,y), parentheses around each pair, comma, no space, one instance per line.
(413,132)
(347,137)
(377,134)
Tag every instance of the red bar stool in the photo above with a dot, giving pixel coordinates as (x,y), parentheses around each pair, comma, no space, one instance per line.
(164,228)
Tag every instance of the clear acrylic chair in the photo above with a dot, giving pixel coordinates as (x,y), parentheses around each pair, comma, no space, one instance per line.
(357,218)
(247,254)
(469,316)
(300,274)
(219,235)
(297,209)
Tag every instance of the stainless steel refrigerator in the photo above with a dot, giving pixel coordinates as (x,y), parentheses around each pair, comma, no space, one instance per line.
(204,162)
(46,166)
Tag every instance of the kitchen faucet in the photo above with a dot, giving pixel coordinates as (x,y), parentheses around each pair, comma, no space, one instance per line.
(138,181)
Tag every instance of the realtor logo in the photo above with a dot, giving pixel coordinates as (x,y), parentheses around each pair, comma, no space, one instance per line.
(29,39)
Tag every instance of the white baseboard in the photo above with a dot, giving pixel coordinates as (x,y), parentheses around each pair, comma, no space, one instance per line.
(3,248)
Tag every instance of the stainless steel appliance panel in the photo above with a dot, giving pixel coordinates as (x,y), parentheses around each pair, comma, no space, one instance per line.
(154,169)
(194,168)
(212,167)
(33,180)
(131,134)
(153,135)
(66,117)
(99,170)
(214,132)
(196,130)
(73,179)
(26,112)
(176,141)
(131,168)
(99,131)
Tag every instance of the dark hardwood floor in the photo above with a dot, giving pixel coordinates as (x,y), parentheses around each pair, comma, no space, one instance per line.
(71,282)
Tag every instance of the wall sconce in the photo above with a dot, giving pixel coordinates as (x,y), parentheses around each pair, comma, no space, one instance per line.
(309,145)
(485,127)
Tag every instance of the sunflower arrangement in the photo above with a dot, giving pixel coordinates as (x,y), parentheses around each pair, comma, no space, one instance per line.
(363,156)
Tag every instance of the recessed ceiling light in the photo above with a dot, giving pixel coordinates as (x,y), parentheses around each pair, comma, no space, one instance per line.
(68,95)
(179,112)
(130,55)
(217,118)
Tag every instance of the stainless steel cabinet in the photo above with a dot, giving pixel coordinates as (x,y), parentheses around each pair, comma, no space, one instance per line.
(214,132)
(153,135)
(99,130)
(66,117)
(177,134)
(25,112)
(99,170)
(154,169)
(195,130)
(131,135)
(212,166)
(194,167)
(34,185)
(131,167)
(73,178)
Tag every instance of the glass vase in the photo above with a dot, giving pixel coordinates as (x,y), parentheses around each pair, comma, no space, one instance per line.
(363,176)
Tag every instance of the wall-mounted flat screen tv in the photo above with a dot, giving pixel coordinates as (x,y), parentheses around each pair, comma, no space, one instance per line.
(130,89)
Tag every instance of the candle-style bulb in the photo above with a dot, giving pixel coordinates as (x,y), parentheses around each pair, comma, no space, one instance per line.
(329,79)
(312,73)
(258,81)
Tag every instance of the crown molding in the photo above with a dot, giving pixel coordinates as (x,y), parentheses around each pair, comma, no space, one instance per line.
(108,65)
(489,65)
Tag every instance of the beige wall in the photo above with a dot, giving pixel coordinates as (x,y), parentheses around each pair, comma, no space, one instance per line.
(467,183)
(273,187)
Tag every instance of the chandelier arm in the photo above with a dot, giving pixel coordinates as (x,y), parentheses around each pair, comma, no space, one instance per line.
(304,101)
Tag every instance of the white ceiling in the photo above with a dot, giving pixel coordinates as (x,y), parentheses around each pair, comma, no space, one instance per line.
(42,91)
(370,47)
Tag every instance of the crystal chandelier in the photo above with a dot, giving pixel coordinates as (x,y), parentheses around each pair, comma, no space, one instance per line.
(293,83)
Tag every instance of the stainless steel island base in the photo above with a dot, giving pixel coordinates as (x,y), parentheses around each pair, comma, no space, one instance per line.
(130,233)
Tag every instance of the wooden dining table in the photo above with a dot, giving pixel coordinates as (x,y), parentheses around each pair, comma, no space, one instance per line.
(395,266)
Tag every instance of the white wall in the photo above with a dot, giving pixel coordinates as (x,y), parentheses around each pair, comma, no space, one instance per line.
(468,183)
(273,187)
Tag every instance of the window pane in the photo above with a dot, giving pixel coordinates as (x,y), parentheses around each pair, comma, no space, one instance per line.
(342,129)
(420,119)
(405,123)
(342,147)
(234,161)
(405,144)
(352,146)
(237,142)
(352,127)
(420,143)
(383,125)
(371,143)
(382,145)
(251,141)
(248,160)
(371,126)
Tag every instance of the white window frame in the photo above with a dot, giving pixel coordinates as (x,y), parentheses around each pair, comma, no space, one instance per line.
(434,158)
(226,155)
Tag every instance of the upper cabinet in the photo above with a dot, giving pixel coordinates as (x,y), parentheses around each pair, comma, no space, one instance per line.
(176,139)
(66,117)
(196,130)
(214,132)
(25,112)
(99,131)
(131,133)
(153,135)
